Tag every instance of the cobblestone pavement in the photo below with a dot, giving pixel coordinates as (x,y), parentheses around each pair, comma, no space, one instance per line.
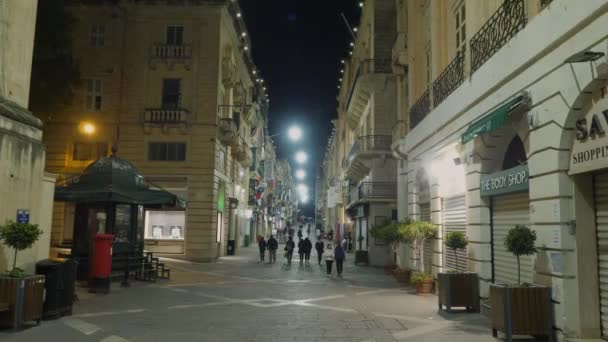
(240,299)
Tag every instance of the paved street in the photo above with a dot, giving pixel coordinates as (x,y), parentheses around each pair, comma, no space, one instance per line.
(240,299)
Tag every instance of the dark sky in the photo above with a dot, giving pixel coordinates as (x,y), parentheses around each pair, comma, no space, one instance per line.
(298,45)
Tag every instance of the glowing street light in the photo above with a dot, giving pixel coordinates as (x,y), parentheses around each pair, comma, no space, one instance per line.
(87,128)
(300,174)
(295,133)
(301,157)
(302,189)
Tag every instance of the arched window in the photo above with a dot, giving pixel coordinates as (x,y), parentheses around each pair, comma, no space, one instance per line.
(515,155)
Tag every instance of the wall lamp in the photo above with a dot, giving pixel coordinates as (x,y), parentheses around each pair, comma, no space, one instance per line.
(584,56)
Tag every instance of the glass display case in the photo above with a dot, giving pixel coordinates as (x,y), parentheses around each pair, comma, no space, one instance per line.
(165,225)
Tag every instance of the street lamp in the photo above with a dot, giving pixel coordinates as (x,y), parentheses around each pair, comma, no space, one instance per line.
(87,128)
(295,133)
(300,174)
(301,157)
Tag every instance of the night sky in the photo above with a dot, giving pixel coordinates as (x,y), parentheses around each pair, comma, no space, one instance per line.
(298,45)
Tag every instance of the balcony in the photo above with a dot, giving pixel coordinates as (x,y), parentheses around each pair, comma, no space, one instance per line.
(364,151)
(450,79)
(370,75)
(165,117)
(400,53)
(170,55)
(373,192)
(229,77)
(242,153)
(229,124)
(420,109)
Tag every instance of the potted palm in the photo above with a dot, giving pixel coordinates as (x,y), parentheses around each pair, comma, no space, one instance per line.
(416,233)
(22,293)
(457,288)
(521,309)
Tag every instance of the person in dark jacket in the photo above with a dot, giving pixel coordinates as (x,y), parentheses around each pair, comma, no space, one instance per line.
(262,246)
(272,246)
(339,256)
(307,250)
(289,247)
(301,250)
(320,247)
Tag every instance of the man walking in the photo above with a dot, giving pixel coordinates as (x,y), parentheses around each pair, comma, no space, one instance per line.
(301,250)
(262,246)
(320,247)
(289,247)
(272,245)
(339,256)
(329,258)
(307,250)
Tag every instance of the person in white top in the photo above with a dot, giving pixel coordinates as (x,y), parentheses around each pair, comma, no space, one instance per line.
(329,257)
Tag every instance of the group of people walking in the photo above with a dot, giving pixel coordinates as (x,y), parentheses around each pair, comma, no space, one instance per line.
(331,254)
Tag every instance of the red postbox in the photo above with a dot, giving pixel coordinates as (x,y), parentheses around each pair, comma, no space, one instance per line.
(101,263)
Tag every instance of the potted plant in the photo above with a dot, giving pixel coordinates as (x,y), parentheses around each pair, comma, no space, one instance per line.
(22,293)
(521,309)
(360,255)
(393,234)
(416,233)
(457,288)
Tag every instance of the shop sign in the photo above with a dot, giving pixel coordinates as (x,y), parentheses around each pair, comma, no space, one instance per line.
(23,216)
(590,149)
(504,182)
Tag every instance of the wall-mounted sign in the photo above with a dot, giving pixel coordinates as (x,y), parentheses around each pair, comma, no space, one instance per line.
(590,149)
(504,182)
(23,216)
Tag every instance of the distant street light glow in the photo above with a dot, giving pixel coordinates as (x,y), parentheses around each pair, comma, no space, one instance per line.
(295,133)
(302,190)
(301,157)
(88,128)
(300,174)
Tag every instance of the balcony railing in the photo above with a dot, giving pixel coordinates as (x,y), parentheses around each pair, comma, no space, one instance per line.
(509,19)
(166,51)
(373,191)
(544,3)
(450,79)
(166,116)
(368,143)
(420,109)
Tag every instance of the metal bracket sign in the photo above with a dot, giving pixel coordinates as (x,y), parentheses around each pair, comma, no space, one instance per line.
(504,182)
(23,216)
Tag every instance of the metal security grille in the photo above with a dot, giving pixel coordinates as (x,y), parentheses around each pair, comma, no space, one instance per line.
(454,220)
(601,221)
(508,211)
(425,215)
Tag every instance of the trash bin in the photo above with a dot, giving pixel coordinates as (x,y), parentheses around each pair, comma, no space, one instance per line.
(69,286)
(231,246)
(51,270)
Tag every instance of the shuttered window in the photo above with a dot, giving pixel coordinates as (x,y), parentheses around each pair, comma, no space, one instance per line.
(601,221)
(454,220)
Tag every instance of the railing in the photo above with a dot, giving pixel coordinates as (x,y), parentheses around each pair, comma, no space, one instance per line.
(165,51)
(420,109)
(166,116)
(450,79)
(368,143)
(509,19)
(544,3)
(373,191)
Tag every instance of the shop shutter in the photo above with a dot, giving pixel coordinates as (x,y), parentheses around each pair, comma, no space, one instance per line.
(454,220)
(601,220)
(425,215)
(508,211)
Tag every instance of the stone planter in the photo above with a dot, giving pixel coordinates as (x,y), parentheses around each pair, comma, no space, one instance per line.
(402,275)
(425,287)
(458,290)
(24,299)
(520,310)
(361,257)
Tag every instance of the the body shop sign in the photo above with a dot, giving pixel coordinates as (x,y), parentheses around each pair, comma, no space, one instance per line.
(504,182)
(590,148)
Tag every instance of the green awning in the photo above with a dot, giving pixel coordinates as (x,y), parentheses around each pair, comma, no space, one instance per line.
(492,121)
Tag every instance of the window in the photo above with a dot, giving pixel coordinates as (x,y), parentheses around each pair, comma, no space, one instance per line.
(165,225)
(461,35)
(171,93)
(175,35)
(221,160)
(93,94)
(98,32)
(167,151)
(84,151)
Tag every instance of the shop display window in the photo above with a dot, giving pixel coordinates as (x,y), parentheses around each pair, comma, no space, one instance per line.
(165,225)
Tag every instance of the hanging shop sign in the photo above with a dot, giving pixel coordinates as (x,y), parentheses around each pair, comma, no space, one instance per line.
(590,148)
(504,182)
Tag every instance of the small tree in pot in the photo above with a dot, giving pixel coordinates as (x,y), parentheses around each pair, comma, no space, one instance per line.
(457,289)
(19,236)
(416,233)
(392,234)
(521,309)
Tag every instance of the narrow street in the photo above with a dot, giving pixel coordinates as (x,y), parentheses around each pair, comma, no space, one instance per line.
(240,299)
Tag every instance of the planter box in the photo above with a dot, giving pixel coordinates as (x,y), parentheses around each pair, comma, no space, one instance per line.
(24,298)
(458,290)
(361,257)
(402,275)
(521,311)
(426,287)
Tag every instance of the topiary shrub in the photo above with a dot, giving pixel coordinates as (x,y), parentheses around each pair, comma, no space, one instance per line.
(415,233)
(19,236)
(456,241)
(520,241)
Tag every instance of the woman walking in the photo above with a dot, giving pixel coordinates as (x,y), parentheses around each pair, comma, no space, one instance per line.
(339,255)
(329,257)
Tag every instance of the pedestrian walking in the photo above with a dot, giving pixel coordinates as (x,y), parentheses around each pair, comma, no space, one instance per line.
(320,247)
(339,255)
(272,246)
(307,250)
(289,247)
(301,250)
(329,258)
(299,233)
(262,246)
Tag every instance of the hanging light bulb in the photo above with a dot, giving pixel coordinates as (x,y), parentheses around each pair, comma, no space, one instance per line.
(244,34)
(238,15)
(360,3)
(246,47)
(356,29)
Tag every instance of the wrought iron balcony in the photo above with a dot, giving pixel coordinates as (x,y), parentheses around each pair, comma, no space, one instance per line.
(509,19)
(368,144)
(373,191)
(450,79)
(173,52)
(420,109)
(165,116)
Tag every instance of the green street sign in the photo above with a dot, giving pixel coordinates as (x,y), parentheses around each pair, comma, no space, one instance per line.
(504,182)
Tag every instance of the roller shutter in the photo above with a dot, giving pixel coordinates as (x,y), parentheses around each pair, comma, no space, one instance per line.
(454,220)
(601,220)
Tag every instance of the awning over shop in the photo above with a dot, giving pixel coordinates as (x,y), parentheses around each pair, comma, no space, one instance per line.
(492,121)
(115,180)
